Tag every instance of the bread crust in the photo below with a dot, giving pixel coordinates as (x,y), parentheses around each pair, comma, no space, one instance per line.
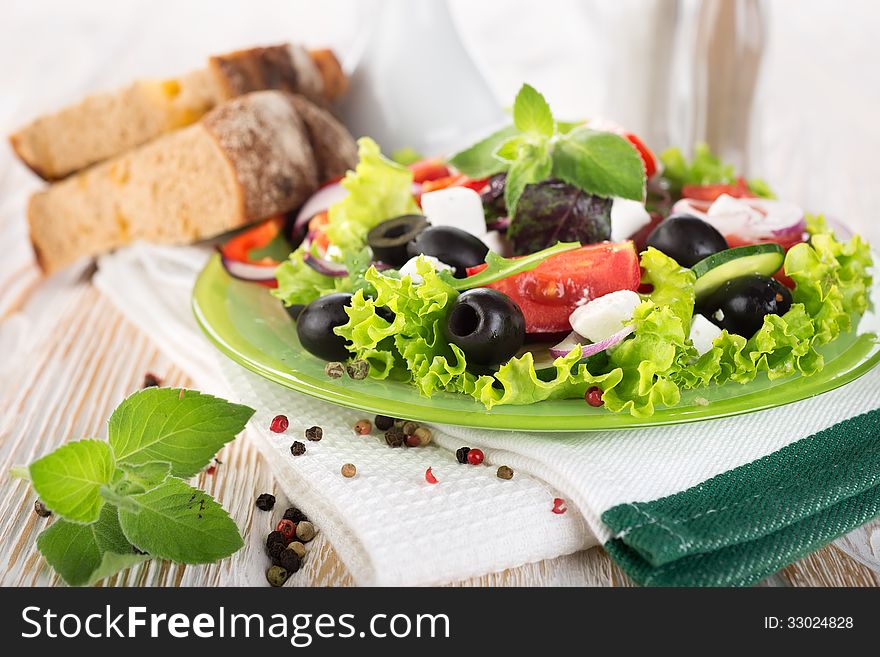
(335,151)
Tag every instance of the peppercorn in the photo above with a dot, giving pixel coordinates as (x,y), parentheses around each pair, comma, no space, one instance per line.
(504,472)
(287,529)
(41,509)
(413,441)
(275,537)
(358,369)
(394,437)
(298,548)
(363,427)
(348,470)
(461,454)
(409,428)
(305,531)
(276,576)
(334,369)
(383,422)
(475,456)
(294,514)
(274,551)
(289,560)
(314,433)
(297,448)
(594,396)
(424,435)
(266,502)
(279,424)
(151,381)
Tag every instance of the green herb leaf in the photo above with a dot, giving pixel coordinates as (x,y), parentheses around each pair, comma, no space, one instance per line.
(509,150)
(406,156)
(479,160)
(534,165)
(143,477)
(531,113)
(84,554)
(600,163)
(158,424)
(69,479)
(180,523)
(498,267)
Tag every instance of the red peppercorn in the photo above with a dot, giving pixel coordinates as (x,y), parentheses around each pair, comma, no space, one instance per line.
(559,506)
(287,529)
(594,396)
(429,477)
(413,441)
(279,424)
(363,427)
(475,456)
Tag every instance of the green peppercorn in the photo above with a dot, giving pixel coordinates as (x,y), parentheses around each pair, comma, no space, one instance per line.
(276,575)
(334,369)
(314,433)
(409,428)
(424,435)
(305,531)
(358,369)
(298,548)
(504,472)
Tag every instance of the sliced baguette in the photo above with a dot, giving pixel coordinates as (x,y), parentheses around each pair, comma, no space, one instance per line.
(105,125)
(247,159)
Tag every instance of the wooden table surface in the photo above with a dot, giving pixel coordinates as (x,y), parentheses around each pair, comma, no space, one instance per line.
(67,357)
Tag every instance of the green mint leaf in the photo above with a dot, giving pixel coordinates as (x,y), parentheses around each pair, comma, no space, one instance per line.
(157,424)
(531,113)
(479,160)
(564,127)
(600,163)
(509,150)
(180,523)
(121,500)
(84,554)
(534,165)
(143,477)
(498,267)
(69,479)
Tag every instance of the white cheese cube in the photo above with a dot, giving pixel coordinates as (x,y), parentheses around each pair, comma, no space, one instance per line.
(627,218)
(703,334)
(458,207)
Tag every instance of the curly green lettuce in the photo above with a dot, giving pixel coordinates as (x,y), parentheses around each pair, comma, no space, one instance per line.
(705,168)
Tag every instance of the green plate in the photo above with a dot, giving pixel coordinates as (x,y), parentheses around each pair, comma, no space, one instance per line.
(251,327)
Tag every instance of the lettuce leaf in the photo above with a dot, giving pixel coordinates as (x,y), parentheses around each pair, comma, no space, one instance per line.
(299,284)
(673,285)
(705,168)
(378,189)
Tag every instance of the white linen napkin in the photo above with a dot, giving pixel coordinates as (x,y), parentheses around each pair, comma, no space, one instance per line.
(388,524)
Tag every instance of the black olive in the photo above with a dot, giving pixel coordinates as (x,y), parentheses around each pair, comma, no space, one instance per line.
(457,248)
(295,310)
(386,313)
(488,326)
(316,323)
(686,239)
(389,239)
(740,304)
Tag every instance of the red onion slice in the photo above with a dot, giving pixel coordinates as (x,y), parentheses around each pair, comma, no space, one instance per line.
(248,271)
(758,219)
(595,347)
(325,267)
(318,202)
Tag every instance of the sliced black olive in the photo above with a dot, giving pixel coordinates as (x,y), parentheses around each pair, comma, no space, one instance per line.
(389,239)
(487,325)
(316,323)
(741,303)
(457,248)
(686,239)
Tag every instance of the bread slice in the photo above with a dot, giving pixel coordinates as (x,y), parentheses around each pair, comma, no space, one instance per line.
(247,159)
(105,125)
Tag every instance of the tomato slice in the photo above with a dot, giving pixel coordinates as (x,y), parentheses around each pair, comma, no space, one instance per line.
(475,184)
(710,193)
(431,169)
(647,154)
(549,293)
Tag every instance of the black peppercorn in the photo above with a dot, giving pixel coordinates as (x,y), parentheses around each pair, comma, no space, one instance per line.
(275,537)
(274,551)
(41,510)
(294,515)
(314,433)
(266,502)
(383,422)
(358,369)
(151,381)
(461,454)
(297,448)
(395,437)
(289,560)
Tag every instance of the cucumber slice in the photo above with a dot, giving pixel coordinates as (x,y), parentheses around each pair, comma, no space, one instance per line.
(718,268)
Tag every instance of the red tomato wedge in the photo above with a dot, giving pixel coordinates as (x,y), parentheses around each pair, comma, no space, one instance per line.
(475,184)
(549,293)
(710,193)
(429,170)
(647,154)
